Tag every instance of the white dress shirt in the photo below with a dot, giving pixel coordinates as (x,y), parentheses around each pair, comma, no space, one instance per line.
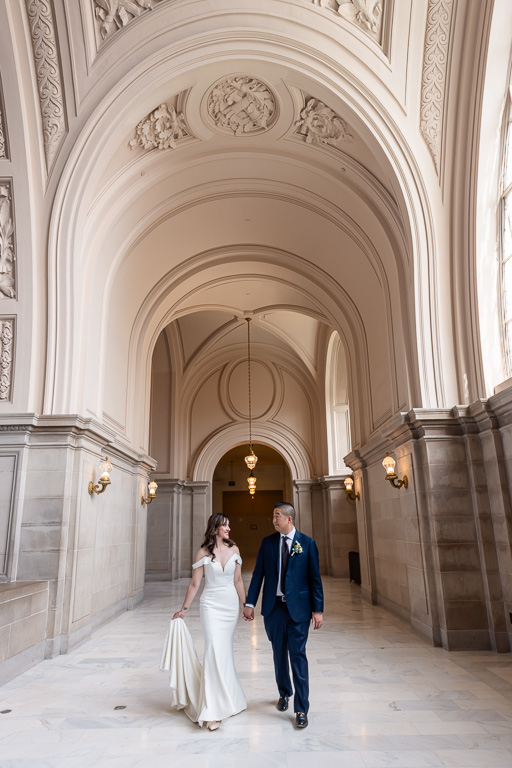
(289,536)
(289,540)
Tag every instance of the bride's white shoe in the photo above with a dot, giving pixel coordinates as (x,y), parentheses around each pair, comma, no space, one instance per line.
(213,725)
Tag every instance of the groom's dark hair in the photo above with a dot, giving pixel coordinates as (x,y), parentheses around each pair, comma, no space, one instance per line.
(286,509)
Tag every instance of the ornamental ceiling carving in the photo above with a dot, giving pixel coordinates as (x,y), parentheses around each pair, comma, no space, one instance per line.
(161,129)
(3,148)
(112,15)
(49,82)
(6,357)
(319,124)
(366,14)
(433,81)
(241,105)
(7,256)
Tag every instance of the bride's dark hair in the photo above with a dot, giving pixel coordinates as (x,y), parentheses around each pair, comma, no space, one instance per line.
(212,528)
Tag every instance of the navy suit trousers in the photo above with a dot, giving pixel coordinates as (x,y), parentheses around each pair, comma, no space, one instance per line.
(289,640)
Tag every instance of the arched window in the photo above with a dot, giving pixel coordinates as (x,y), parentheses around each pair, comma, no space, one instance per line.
(505,213)
(336,395)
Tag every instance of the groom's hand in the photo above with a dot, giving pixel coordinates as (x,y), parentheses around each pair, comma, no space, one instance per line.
(248,613)
(317,620)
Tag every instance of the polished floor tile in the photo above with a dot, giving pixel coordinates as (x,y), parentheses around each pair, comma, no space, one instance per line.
(380,697)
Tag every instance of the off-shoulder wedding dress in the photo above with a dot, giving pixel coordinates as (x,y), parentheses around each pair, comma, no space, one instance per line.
(213,691)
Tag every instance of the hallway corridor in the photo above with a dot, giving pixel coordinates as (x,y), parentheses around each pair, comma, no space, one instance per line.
(380,696)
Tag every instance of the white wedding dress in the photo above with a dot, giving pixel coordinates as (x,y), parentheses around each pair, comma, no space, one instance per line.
(213,692)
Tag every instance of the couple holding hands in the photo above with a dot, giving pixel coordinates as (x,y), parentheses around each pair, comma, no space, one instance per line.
(288,568)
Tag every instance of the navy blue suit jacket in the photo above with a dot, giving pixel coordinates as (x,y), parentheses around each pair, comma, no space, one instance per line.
(303,585)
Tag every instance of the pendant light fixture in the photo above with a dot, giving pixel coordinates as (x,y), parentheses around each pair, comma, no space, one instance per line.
(251,458)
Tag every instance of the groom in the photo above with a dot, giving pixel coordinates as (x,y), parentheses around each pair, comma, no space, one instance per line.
(288,565)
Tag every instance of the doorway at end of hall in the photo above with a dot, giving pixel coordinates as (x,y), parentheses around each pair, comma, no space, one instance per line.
(250,520)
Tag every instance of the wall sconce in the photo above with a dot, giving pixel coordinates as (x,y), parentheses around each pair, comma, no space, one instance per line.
(349,487)
(152,493)
(389,465)
(105,469)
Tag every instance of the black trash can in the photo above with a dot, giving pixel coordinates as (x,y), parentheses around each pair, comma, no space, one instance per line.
(354,567)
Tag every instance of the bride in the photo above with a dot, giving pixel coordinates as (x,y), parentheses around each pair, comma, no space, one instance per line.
(220,694)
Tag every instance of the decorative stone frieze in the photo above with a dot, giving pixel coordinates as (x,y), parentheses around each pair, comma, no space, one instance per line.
(367,14)
(319,124)
(241,105)
(3,149)
(49,81)
(161,129)
(112,15)
(433,81)
(7,254)
(6,357)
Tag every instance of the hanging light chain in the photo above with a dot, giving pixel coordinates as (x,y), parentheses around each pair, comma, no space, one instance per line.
(251,459)
(249,380)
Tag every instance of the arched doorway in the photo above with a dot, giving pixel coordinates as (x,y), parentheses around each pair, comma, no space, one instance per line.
(250,517)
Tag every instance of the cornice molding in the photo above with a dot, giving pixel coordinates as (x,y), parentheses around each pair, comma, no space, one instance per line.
(49,81)
(433,81)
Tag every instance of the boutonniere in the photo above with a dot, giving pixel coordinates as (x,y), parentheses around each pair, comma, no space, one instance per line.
(296,549)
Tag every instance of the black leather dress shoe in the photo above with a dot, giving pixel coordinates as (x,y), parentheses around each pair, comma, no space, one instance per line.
(301,720)
(282,704)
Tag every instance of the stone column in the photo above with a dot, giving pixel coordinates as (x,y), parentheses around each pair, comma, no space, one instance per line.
(491,491)
(450,504)
(164,532)
(200,511)
(341,524)
(303,506)
(364,527)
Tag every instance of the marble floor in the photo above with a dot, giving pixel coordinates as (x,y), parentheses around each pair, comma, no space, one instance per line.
(380,696)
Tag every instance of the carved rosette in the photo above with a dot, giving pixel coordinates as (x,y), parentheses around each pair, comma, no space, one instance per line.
(7,256)
(319,125)
(161,129)
(112,15)
(433,80)
(6,357)
(366,14)
(241,105)
(49,81)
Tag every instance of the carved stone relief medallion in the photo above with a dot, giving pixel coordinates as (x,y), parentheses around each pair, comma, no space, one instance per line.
(161,129)
(241,105)
(319,124)
(6,357)
(7,256)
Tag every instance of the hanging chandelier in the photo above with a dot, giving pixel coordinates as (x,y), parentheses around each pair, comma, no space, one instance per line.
(251,458)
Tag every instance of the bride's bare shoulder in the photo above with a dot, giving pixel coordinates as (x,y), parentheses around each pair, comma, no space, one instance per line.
(203,552)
